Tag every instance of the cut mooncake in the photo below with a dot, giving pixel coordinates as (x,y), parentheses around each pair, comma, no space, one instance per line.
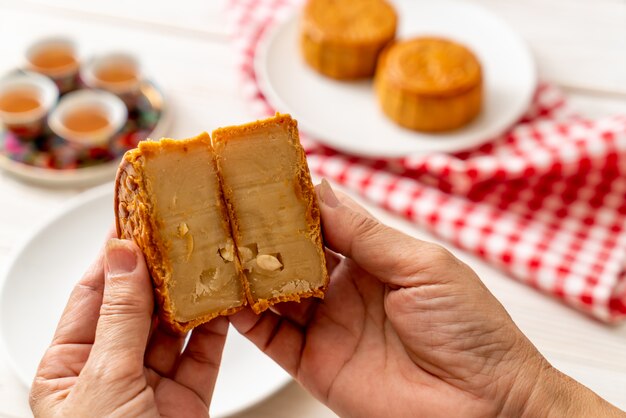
(169,201)
(274,214)
(429,84)
(223,225)
(342,39)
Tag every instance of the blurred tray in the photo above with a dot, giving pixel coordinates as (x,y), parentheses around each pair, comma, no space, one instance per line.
(50,161)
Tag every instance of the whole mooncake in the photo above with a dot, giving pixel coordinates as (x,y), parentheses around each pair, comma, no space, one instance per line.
(429,84)
(343,39)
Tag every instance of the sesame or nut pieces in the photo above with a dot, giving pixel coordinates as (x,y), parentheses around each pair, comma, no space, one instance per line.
(189,242)
(121,208)
(131,184)
(268,262)
(245,254)
(293,287)
(182,229)
(227,253)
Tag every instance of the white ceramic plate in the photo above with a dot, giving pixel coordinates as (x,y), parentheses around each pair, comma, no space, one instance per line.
(41,275)
(345,115)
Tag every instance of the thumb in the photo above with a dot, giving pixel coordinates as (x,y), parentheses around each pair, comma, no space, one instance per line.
(392,256)
(127,303)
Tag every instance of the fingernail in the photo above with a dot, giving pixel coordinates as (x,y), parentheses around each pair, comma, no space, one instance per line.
(327,196)
(119,258)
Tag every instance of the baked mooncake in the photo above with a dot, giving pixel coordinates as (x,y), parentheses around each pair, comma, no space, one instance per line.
(429,84)
(274,215)
(170,200)
(342,39)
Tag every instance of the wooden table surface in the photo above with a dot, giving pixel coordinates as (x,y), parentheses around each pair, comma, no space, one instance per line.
(578,44)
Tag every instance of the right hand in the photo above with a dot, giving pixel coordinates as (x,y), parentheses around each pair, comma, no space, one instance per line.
(407,330)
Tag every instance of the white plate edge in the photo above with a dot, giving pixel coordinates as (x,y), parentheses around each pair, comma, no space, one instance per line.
(269,33)
(72,204)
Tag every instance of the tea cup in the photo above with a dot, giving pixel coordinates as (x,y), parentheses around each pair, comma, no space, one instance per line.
(25,101)
(116,72)
(88,118)
(56,58)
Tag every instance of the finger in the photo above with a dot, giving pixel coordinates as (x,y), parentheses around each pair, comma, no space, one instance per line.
(78,321)
(164,348)
(200,362)
(384,252)
(80,316)
(346,200)
(300,313)
(111,233)
(332,260)
(126,311)
(276,336)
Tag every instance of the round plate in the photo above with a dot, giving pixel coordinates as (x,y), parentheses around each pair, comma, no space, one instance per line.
(97,171)
(345,115)
(39,280)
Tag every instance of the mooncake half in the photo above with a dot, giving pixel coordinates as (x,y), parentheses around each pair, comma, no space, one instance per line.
(275,217)
(169,201)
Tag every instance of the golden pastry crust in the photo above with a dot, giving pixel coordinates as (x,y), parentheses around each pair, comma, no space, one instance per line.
(342,39)
(304,189)
(429,84)
(135,220)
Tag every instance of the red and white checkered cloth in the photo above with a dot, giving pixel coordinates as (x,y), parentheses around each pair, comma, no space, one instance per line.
(546,201)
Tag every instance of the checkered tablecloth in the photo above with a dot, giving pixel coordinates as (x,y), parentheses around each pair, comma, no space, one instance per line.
(545,201)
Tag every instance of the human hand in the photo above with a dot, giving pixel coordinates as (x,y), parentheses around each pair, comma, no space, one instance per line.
(109,358)
(406,329)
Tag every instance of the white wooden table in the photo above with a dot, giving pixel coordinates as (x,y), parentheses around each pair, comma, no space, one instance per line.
(580,45)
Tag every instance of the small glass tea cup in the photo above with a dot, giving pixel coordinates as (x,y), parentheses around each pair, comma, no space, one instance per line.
(25,101)
(57,58)
(116,72)
(88,118)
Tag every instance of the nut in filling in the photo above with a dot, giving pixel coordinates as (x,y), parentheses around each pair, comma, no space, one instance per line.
(268,262)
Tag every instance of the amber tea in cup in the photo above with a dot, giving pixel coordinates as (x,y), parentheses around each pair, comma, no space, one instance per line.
(118,73)
(88,118)
(25,99)
(19,101)
(56,58)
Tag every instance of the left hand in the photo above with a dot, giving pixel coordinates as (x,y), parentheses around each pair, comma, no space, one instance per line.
(108,358)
